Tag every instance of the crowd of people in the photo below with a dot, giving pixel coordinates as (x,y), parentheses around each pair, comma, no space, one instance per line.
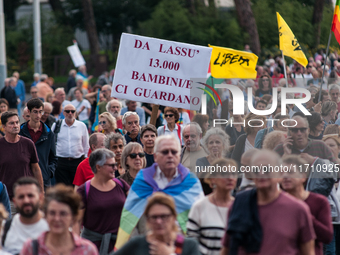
(83,172)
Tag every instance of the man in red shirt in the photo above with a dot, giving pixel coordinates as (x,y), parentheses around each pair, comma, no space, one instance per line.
(293,183)
(84,171)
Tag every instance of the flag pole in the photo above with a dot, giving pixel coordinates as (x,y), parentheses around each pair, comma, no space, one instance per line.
(324,65)
(284,68)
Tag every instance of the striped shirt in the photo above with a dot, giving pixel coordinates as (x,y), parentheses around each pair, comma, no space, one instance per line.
(207,225)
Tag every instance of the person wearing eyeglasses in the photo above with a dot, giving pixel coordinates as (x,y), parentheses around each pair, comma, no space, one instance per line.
(103,198)
(166,175)
(108,124)
(132,160)
(72,145)
(43,138)
(115,142)
(171,116)
(84,171)
(297,142)
(61,209)
(163,237)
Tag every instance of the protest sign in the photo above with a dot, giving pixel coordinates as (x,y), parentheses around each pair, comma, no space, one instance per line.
(228,63)
(76,55)
(158,71)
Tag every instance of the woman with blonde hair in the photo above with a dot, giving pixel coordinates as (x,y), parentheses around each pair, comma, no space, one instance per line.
(208,216)
(273,139)
(328,112)
(216,143)
(108,124)
(163,237)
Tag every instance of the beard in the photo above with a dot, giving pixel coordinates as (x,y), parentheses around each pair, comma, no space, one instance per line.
(28,214)
(115,114)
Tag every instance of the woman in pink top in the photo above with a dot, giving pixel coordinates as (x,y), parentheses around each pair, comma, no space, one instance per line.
(61,211)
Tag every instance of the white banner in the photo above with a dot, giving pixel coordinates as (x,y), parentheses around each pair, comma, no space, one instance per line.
(75,55)
(157,71)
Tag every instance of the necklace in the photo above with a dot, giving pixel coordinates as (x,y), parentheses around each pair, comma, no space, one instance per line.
(218,210)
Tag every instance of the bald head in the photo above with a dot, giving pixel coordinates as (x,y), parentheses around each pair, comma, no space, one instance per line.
(96,141)
(47,111)
(26,114)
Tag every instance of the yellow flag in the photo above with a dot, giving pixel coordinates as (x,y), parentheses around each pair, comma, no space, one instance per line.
(228,63)
(288,42)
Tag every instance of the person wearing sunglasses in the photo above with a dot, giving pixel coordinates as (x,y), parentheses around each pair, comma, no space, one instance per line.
(265,86)
(103,198)
(133,160)
(166,175)
(163,237)
(108,124)
(297,142)
(72,145)
(171,116)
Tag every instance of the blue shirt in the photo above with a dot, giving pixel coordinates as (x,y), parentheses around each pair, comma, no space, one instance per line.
(20,90)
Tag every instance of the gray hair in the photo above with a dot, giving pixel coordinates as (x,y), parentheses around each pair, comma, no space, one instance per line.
(159,139)
(127,150)
(334,87)
(108,105)
(327,107)
(36,75)
(43,77)
(113,137)
(48,104)
(216,131)
(99,157)
(193,124)
(128,114)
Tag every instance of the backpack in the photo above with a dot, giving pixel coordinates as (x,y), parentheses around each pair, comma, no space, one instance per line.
(88,184)
(57,130)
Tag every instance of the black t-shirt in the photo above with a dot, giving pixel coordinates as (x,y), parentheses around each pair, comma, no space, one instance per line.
(149,159)
(233,133)
(158,121)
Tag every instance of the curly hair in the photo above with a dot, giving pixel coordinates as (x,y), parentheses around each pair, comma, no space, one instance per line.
(174,111)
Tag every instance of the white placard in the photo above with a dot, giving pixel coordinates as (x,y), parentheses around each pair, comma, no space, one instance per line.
(157,71)
(76,56)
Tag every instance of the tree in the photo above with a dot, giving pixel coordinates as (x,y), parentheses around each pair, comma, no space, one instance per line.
(90,26)
(247,21)
(317,18)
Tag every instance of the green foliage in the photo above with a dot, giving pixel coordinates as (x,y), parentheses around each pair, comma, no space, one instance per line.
(205,27)
(20,50)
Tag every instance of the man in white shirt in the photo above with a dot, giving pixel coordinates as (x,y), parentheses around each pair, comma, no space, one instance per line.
(29,222)
(192,135)
(72,145)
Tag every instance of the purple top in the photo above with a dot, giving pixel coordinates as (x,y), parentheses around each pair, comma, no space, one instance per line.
(103,208)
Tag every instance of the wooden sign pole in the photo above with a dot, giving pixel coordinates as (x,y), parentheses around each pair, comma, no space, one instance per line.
(154,114)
